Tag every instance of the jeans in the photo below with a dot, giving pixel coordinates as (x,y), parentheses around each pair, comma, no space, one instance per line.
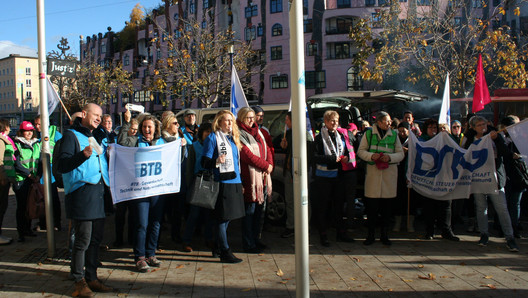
(251,224)
(499,202)
(221,234)
(513,199)
(149,213)
(85,254)
(21,192)
(195,214)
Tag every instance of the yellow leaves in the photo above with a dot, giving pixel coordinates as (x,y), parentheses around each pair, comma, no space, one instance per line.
(420,266)
(517,11)
(353,278)
(246,290)
(488,276)
(429,276)
(489,286)
(502,11)
(356,259)
(280,273)
(180,266)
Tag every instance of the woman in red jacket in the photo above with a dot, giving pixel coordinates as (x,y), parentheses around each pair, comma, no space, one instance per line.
(256,164)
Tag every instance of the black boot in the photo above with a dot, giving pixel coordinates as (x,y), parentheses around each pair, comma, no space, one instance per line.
(226,256)
(370,237)
(324,240)
(385,237)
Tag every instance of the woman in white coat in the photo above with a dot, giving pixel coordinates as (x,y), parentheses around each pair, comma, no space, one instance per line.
(380,147)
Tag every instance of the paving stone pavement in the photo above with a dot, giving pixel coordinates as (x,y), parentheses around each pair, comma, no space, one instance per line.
(435,268)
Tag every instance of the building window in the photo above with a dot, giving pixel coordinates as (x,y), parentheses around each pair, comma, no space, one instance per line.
(376,20)
(279,81)
(477,3)
(276,30)
(312,49)
(276,53)
(158,54)
(406,1)
(204,24)
(260,30)
(343,3)
(338,50)
(354,80)
(458,21)
(28,95)
(497,2)
(126,60)
(251,33)
(251,11)
(176,16)
(339,25)
(275,6)
(102,49)
(305,7)
(423,2)
(192,6)
(370,2)
(308,26)
(315,79)
(382,2)
(28,71)
(205,4)
(28,83)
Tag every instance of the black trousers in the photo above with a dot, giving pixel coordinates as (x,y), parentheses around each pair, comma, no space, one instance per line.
(378,208)
(21,192)
(328,203)
(437,213)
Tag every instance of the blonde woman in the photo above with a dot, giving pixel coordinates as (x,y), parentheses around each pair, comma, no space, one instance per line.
(221,153)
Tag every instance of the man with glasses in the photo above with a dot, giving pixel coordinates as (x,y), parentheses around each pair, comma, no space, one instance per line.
(456,132)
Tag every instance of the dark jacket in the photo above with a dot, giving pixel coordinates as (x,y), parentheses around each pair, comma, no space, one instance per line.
(320,157)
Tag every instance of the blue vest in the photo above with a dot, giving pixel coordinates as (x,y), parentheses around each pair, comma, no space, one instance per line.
(142,143)
(90,171)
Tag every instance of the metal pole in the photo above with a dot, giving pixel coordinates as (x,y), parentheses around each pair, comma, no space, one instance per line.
(22,101)
(44,135)
(300,168)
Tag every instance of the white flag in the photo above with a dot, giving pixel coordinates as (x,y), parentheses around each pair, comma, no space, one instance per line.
(445,110)
(519,134)
(53,97)
(238,98)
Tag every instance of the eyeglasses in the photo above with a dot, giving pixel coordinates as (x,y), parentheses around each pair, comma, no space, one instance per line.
(456,126)
(176,123)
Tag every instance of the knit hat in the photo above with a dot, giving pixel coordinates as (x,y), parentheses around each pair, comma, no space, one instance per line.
(26,125)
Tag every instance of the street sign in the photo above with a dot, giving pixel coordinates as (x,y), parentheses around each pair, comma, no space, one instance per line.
(62,68)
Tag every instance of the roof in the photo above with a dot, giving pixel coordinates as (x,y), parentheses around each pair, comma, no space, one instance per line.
(368,96)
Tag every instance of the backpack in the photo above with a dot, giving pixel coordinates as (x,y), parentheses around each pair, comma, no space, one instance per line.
(35,201)
(55,164)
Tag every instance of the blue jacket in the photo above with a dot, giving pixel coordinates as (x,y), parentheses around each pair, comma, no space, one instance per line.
(91,171)
(210,153)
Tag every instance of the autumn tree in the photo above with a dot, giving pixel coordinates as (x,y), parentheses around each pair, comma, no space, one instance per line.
(426,42)
(198,65)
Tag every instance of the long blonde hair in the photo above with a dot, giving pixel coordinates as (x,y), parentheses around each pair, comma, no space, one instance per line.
(235,133)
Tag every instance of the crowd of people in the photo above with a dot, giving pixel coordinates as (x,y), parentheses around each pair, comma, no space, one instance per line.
(240,153)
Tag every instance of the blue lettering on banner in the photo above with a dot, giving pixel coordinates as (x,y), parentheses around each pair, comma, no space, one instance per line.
(148,164)
(438,157)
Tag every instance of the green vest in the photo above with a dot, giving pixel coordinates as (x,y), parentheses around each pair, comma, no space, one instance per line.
(52,132)
(386,145)
(9,160)
(29,158)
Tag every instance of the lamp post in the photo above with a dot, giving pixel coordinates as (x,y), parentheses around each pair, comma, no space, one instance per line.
(22,101)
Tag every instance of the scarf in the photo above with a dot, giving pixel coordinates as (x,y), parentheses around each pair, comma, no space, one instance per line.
(257,177)
(329,147)
(29,143)
(168,137)
(224,147)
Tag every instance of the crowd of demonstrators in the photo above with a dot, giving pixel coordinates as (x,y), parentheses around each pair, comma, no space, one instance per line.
(380,147)
(222,154)
(256,165)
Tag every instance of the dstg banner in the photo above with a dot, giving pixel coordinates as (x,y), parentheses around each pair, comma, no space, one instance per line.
(442,170)
(143,172)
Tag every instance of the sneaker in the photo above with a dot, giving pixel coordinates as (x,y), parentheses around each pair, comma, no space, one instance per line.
(450,236)
(142,266)
(98,286)
(484,239)
(512,245)
(5,240)
(82,289)
(153,261)
(288,233)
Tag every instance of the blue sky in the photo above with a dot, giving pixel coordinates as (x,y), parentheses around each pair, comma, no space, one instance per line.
(64,18)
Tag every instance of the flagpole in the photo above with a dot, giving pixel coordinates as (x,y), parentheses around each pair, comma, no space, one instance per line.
(45,149)
(300,167)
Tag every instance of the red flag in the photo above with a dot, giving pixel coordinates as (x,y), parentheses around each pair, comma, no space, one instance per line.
(481,95)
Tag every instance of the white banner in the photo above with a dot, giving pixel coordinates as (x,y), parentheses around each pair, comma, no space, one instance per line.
(442,170)
(144,172)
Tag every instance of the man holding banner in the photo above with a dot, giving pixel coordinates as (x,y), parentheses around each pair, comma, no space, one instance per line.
(83,164)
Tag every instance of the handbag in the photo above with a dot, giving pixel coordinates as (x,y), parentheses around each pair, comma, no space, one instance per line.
(204,191)
(522,171)
(35,201)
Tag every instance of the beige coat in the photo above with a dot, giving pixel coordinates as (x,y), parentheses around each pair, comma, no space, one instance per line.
(381,183)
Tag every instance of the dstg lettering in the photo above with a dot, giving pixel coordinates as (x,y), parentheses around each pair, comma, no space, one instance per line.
(148,164)
(438,157)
